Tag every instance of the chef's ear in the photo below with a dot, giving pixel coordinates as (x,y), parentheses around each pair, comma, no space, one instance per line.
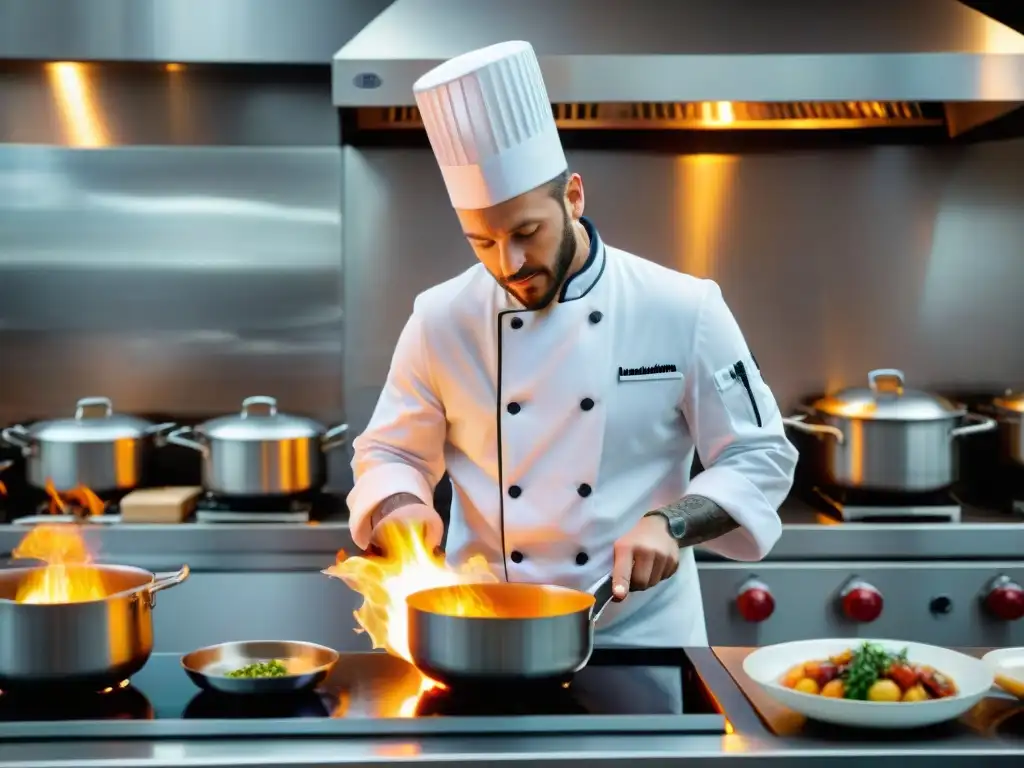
(574,197)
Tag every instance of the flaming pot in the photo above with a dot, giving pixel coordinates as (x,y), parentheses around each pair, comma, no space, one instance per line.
(98,449)
(537,633)
(89,645)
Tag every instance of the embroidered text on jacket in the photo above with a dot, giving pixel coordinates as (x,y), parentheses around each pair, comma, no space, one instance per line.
(646,370)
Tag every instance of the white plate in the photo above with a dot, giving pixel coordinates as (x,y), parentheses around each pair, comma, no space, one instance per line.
(973,679)
(1010,663)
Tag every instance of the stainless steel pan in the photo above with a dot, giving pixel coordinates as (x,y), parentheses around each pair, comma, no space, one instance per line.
(537,632)
(92,644)
(308,665)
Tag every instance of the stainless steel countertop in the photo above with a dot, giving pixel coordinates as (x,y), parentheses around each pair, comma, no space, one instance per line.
(806,535)
(750,739)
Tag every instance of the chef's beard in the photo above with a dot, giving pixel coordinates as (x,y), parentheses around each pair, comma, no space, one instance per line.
(563,263)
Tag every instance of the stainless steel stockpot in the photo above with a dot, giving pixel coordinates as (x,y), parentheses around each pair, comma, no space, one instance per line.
(99,449)
(885,437)
(261,451)
(91,645)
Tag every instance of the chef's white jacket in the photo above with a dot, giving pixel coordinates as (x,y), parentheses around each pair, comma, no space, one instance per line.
(559,429)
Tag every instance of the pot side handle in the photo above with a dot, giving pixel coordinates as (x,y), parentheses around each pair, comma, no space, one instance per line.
(183,438)
(602,592)
(335,437)
(798,423)
(18,437)
(166,582)
(981,424)
(159,432)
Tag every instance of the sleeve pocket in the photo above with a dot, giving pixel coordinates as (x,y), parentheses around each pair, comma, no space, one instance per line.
(737,385)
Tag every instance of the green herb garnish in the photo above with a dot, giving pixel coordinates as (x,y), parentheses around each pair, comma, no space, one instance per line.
(272,668)
(868,664)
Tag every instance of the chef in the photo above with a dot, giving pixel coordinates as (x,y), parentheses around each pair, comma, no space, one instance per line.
(564,384)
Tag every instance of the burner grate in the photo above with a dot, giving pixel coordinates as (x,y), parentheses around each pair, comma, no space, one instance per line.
(212,508)
(857,508)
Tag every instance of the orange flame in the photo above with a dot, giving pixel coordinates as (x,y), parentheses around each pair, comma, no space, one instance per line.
(66,577)
(3,488)
(385,582)
(81,497)
(409,566)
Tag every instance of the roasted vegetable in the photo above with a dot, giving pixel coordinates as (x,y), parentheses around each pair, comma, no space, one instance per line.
(869,673)
(834,690)
(904,675)
(884,690)
(272,668)
(936,683)
(821,672)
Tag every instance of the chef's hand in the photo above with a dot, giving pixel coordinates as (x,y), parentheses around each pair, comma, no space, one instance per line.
(397,522)
(643,557)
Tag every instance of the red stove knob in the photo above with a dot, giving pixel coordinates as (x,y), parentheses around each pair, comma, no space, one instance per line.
(1005,599)
(754,601)
(861,601)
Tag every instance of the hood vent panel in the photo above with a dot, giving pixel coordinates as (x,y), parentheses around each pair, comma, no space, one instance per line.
(705,115)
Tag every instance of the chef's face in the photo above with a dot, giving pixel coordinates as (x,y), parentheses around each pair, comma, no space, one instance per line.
(529,243)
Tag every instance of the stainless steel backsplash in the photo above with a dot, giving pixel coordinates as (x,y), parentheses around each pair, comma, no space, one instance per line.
(175,243)
(833,262)
(169,239)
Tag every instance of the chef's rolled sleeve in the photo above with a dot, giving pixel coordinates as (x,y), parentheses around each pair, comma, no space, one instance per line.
(402,448)
(748,466)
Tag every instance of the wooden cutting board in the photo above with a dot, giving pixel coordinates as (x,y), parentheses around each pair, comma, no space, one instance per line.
(159,505)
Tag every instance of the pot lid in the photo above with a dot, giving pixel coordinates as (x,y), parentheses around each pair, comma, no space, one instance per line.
(1011,401)
(887,399)
(94,422)
(259,419)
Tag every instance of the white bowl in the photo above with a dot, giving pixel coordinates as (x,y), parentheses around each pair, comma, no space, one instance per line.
(973,679)
(1008,662)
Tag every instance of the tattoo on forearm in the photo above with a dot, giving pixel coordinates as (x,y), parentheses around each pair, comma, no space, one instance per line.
(704,520)
(389,505)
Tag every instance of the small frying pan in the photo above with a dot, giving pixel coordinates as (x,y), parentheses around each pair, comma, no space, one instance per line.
(538,633)
(307,665)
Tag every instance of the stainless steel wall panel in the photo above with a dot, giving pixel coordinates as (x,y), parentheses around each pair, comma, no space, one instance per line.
(169,279)
(90,106)
(220,31)
(170,237)
(833,262)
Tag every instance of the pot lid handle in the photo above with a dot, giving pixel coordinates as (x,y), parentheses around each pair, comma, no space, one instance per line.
(269,402)
(86,403)
(893,376)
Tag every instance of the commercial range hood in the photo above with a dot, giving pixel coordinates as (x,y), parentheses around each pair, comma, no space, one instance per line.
(707,64)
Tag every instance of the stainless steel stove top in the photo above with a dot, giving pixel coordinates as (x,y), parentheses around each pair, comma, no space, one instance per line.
(939,509)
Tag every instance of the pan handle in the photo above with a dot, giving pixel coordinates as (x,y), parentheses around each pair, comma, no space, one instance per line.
(602,592)
(976,424)
(165,582)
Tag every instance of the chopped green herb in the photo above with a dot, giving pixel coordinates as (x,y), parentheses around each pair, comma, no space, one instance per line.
(869,663)
(272,668)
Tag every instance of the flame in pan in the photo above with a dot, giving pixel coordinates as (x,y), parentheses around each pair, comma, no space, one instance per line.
(66,577)
(407,567)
